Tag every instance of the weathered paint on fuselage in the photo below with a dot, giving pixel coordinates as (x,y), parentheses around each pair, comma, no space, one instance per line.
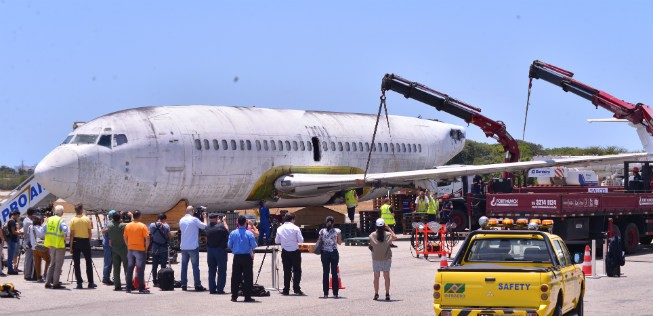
(162,163)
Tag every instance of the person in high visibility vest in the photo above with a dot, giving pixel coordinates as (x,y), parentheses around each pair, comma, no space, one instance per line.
(351,200)
(434,207)
(387,213)
(55,239)
(421,202)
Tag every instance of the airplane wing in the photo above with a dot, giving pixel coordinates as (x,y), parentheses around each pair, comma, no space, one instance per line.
(303,185)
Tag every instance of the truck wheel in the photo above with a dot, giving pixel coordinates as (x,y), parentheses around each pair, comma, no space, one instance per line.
(460,218)
(631,238)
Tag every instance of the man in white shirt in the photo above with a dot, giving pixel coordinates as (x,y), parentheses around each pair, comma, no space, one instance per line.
(190,226)
(289,236)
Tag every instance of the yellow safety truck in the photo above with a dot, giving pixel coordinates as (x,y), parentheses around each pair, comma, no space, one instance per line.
(510,272)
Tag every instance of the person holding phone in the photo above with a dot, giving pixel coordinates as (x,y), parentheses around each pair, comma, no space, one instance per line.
(380,245)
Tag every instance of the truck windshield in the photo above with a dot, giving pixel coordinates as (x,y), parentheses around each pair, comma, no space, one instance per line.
(508,250)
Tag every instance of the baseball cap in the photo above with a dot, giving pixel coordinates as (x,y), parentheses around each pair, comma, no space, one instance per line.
(111,212)
(380,222)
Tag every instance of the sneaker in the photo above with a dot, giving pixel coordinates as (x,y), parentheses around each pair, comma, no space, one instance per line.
(376,296)
(79,286)
(387,296)
(234,299)
(92,285)
(108,282)
(249,300)
(336,296)
(143,292)
(48,286)
(285,293)
(200,288)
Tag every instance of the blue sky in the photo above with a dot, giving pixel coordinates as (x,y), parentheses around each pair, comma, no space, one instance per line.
(66,61)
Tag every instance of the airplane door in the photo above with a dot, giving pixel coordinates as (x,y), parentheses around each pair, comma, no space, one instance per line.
(171,152)
(317,155)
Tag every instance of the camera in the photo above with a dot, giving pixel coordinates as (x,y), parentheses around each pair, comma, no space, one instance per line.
(126,218)
(198,212)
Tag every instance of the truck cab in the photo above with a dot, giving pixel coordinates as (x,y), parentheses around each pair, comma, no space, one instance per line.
(515,272)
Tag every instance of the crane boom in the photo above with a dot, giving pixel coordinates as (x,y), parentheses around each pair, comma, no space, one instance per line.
(443,102)
(635,113)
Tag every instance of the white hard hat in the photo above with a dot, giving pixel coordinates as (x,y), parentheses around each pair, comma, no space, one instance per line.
(483,221)
(380,222)
(532,226)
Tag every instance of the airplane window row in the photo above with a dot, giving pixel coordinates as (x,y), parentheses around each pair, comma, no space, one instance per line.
(303,146)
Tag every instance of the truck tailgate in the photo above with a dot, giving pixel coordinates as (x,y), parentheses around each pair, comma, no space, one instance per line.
(490,289)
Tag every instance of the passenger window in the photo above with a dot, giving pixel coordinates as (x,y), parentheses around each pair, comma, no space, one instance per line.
(249,144)
(280,145)
(360,146)
(233,144)
(340,146)
(258,145)
(215,144)
(415,148)
(105,140)
(294,145)
(373,147)
(287,146)
(198,144)
(403,147)
(265,145)
(367,147)
(409,149)
(242,144)
(324,146)
(333,146)
(302,146)
(206,144)
(224,145)
(273,145)
(385,147)
(379,147)
(309,146)
(353,146)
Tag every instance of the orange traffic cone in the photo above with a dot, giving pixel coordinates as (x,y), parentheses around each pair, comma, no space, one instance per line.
(340,286)
(587,264)
(135,283)
(444,263)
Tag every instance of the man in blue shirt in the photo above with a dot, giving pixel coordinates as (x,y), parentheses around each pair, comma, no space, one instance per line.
(106,247)
(190,226)
(264,226)
(242,244)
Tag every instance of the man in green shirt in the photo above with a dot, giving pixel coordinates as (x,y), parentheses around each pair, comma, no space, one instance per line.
(116,230)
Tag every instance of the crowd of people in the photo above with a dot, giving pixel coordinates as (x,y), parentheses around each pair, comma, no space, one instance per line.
(127,240)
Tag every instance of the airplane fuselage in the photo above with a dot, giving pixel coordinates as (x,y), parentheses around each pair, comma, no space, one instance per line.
(228,158)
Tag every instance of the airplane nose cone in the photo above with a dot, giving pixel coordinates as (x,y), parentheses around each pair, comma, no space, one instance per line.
(58,172)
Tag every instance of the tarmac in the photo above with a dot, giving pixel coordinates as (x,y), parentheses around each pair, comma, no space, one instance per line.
(411,290)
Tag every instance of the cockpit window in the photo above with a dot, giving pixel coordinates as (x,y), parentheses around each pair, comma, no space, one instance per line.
(85,139)
(105,140)
(67,140)
(120,139)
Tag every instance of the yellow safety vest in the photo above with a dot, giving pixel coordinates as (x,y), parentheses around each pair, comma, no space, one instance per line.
(54,237)
(434,205)
(387,216)
(421,205)
(350,199)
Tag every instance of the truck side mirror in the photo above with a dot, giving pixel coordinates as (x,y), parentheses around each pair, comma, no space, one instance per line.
(578,258)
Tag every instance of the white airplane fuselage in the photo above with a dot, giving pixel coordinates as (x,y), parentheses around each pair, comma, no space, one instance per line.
(228,158)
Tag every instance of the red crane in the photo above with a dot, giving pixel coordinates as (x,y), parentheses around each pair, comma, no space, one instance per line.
(470,114)
(635,113)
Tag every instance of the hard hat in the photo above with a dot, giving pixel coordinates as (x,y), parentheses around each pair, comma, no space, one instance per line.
(483,221)
(532,226)
(446,196)
(635,169)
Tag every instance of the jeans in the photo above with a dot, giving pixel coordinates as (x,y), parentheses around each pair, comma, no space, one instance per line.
(136,258)
(330,264)
(265,229)
(82,246)
(28,267)
(292,269)
(159,257)
(11,253)
(108,263)
(242,271)
(194,256)
(217,259)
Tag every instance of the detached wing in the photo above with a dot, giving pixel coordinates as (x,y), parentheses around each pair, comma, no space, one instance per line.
(303,185)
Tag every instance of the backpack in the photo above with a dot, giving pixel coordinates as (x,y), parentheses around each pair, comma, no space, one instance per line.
(257,290)
(166,278)
(5,229)
(8,290)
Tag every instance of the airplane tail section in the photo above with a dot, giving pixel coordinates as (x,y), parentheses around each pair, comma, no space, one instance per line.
(646,138)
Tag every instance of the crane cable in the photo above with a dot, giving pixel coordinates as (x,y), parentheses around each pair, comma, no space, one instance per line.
(528,102)
(382,106)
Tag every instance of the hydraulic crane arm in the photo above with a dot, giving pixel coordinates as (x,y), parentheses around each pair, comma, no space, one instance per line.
(635,113)
(443,102)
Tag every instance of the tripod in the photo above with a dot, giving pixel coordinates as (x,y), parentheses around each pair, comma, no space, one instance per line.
(71,268)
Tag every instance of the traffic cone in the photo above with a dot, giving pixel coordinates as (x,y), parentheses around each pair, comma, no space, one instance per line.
(587,264)
(135,283)
(340,286)
(444,263)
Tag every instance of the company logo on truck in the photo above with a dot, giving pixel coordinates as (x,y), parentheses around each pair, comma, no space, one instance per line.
(646,201)
(503,202)
(454,290)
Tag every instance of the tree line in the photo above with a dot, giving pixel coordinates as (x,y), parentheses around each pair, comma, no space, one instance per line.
(10,178)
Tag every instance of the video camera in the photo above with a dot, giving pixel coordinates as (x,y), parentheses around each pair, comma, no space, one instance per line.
(125,217)
(198,212)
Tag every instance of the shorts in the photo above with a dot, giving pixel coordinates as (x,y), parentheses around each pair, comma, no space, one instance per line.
(381,265)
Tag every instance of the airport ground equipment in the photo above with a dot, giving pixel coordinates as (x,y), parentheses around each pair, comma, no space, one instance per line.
(455,107)
(27,194)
